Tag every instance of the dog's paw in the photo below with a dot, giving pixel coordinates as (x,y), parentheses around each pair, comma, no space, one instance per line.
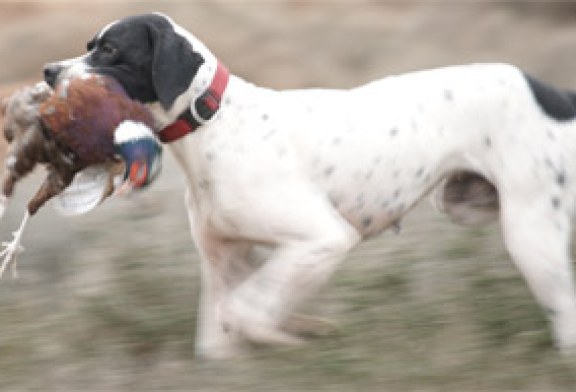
(272,336)
(565,336)
(219,352)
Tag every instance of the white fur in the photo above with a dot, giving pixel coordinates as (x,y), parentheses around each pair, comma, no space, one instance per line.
(309,173)
(74,68)
(106,28)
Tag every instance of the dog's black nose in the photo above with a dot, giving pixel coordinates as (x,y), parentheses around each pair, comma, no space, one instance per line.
(51,72)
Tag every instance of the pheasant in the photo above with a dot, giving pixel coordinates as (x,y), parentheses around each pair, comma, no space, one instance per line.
(85,132)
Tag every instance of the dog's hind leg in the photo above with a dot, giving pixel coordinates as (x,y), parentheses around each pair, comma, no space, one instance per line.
(537,235)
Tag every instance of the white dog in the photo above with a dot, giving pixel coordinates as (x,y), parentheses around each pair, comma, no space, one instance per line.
(310,173)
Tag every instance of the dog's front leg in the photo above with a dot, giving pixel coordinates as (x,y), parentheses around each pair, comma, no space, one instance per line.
(310,238)
(225,264)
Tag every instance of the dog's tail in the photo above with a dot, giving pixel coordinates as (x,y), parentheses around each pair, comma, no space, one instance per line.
(467,198)
(559,104)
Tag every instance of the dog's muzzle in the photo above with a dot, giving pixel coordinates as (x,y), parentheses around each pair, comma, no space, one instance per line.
(54,73)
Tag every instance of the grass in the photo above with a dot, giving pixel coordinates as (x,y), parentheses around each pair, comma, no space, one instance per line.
(144,315)
(416,312)
(503,309)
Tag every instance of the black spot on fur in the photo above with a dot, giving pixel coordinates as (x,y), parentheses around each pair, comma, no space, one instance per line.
(555,202)
(366,222)
(204,184)
(561,179)
(328,171)
(488,142)
(335,199)
(393,131)
(420,172)
(558,104)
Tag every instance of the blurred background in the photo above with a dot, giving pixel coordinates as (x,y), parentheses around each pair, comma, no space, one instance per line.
(107,301)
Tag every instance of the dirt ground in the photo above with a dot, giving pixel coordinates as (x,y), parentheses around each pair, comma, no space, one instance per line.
(107,301)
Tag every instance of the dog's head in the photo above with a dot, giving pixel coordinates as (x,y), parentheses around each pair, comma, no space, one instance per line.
(154,59)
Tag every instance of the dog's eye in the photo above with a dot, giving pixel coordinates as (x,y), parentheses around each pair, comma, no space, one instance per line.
(108,49)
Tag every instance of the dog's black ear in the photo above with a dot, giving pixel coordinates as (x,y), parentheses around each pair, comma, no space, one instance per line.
(174,64)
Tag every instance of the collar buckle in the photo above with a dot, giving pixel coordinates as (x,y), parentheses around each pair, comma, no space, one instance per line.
(205,107)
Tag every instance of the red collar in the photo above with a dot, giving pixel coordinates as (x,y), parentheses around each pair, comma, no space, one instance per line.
(206,106)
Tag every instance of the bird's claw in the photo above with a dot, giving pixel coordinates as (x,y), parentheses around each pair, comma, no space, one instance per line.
(9,253)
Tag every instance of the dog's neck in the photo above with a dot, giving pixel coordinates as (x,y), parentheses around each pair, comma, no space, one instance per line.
(201,82)
(202,109)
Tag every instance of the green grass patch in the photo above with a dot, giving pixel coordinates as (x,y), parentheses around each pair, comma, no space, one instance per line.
(505,311)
